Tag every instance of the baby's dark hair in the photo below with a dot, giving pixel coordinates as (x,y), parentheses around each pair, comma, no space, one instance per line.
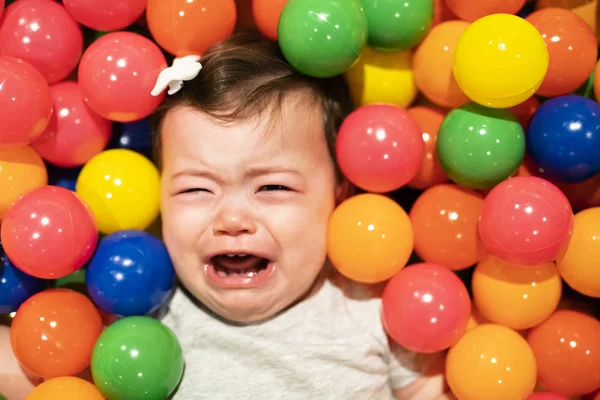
(245,75)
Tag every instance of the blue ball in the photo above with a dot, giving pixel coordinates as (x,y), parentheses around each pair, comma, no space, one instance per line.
(564,138)
(15,285)
(136,136)
(63,177)
(130,274)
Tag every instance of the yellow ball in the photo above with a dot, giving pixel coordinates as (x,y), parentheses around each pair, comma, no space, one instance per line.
(379,77)
(500,61)
(122,188)
(491,362)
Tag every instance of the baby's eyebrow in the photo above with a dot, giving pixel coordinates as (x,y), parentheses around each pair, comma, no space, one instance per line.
(270,169)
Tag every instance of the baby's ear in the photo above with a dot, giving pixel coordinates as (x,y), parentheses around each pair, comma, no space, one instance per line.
(344,190)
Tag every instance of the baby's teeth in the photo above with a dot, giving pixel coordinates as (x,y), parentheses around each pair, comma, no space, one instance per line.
(236,255)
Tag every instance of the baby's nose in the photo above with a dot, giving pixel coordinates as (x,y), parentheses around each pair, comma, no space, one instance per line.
(233,223)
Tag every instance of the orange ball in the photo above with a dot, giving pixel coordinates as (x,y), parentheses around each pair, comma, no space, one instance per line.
(567,351)
(515,296)
(428,119)
(266,14)
(580,264)
(524,111)
(21,171)
(491,362)
(441,13)
(54,332)
(444,220)
(184,27)
(369,238)
(572,50)
(470,10)
(433,62)
(65,388)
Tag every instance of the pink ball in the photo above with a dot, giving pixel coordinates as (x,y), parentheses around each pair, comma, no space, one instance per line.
(526,220)
(547,396)
(380,148)
(25,102)
(49,233)
(43,33)
(426,308)
(117,73)
(105,15)
(75,132)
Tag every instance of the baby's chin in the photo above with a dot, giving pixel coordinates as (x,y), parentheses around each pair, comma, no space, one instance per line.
(244,306)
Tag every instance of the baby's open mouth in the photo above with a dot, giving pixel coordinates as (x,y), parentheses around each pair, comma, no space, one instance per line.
(226,265)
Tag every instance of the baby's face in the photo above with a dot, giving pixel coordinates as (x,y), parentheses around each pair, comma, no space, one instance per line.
(245,207)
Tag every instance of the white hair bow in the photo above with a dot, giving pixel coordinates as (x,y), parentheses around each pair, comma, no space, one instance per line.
(183,69)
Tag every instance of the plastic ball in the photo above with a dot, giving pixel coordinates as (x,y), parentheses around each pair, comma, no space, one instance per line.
(107,15)
(491,362)
(500,60)
(441,13)
(526,220)
(25,117)
(21,171)
(130,274)
(379,148)
(580,264)
(322,38)
(65,388)
(136,136)
(379,77)
(479,147)
(525,111)
(117,74)
(564,138)
(572,49)
(444,220)
(428,119)
(137,358)
(469,10)
(547,396)
(42,33)
(369,238)
(184,27)
(75,132)
(63,177)
(437,49)
(425,308)
(266,14)
(15,286)
(582,195)
(122,188)
(54,332)
(397,25)
(49,233)
(567,351)
(513,296)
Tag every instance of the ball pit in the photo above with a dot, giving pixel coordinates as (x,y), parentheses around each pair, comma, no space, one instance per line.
(485,116)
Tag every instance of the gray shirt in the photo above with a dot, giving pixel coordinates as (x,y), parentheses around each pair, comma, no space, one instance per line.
(329,346)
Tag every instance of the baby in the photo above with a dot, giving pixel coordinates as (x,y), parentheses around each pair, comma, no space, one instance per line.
(249,181)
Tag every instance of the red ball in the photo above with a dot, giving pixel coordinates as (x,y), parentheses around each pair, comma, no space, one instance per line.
(49,233)
(426,308)
(266,14)
(547,396)
(380,148)
(117,74)
(75,132)
(526,220)
(26,104)
(105,15)
(43,33)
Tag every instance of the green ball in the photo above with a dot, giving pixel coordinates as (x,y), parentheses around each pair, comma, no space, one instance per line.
(479,147)
(322,38)
(397,25)
(137,358)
